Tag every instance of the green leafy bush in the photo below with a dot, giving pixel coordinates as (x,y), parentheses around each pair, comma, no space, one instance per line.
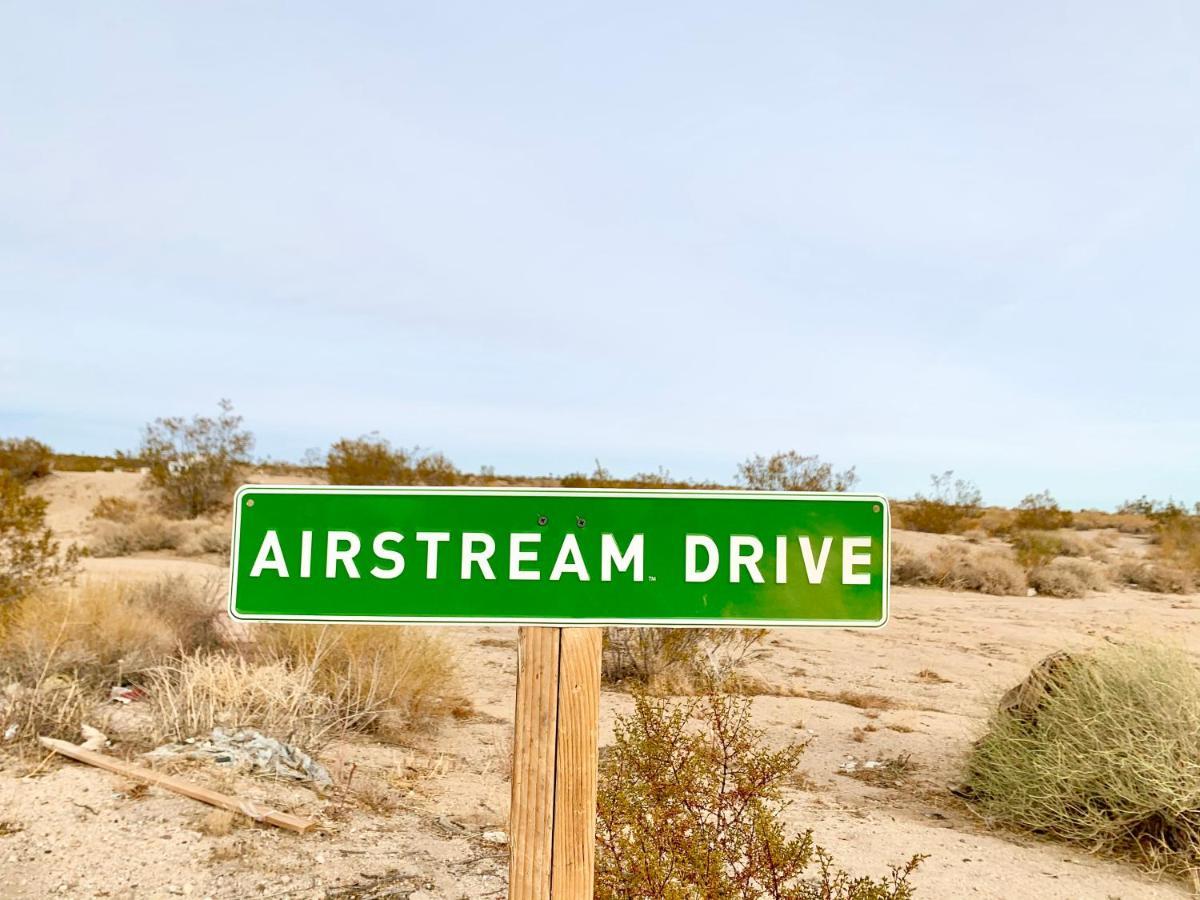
(791,471)
(1100,749)
(689,813)
(195,465)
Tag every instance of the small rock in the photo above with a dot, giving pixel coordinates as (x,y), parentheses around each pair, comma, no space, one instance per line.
(495,837)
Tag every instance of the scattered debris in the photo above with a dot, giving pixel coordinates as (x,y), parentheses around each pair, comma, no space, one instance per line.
(879,772)
(249,751)
(122,693)
(249,808)
(93,738)
(495,837)
(8,827)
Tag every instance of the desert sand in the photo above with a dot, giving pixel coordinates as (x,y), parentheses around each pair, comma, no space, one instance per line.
(78,832)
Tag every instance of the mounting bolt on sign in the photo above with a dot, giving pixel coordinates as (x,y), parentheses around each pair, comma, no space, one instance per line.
(597,557)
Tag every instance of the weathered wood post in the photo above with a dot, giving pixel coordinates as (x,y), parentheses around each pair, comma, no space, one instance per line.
(552,822)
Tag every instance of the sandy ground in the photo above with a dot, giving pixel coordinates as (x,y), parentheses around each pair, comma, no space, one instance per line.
(70,830)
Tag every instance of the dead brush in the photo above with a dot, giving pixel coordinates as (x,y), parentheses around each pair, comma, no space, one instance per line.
(202,691)
(958,567)
(682,661)
(97,633)
(386,681)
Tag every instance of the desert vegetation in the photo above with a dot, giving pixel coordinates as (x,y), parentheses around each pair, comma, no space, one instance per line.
(193,465)
(1099,749)
(949,507)
(63,650)
(372,459)
(792,471)
(680,661)
(29,553)
(689,806)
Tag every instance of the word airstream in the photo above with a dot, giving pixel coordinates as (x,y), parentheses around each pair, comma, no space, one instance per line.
(559,556)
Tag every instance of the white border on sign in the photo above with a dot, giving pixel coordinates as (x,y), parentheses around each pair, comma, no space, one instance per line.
(384,490)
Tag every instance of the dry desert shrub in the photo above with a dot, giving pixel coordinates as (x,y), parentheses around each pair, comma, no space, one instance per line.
(1055,581)
(996,521)
(371,459)
(116,509)
(201,691)
(387,681)
(122,527)
(690,804)
(949,507)
(194,465)
(678,660)
(1038,548)
(61,650)
(1153,576)
(792,471)
(1126,522)
(24,459)
(1104,755)
(144,533)
(208,538)
(1177,540)
(97,633)
(53,706)
(1041,512)
(29,555)
(958,567)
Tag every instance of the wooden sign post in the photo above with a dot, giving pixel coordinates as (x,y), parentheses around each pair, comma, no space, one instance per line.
(552,823)
(559,563)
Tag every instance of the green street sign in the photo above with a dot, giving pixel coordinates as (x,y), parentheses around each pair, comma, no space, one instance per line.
(559,556)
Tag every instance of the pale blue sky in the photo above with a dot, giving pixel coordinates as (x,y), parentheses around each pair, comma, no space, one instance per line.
(907,236)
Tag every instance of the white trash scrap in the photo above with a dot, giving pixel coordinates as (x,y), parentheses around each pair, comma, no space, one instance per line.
(249,750)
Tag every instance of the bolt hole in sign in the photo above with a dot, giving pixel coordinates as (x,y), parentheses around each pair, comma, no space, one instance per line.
(559,556)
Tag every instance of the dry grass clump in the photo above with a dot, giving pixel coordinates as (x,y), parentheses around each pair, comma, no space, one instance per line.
(99,632)
(888,773)
(202,691)
(386,681)
(865,700)
(61,650)
(679,661)
(958,567)
(1105,757)
(54,706)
